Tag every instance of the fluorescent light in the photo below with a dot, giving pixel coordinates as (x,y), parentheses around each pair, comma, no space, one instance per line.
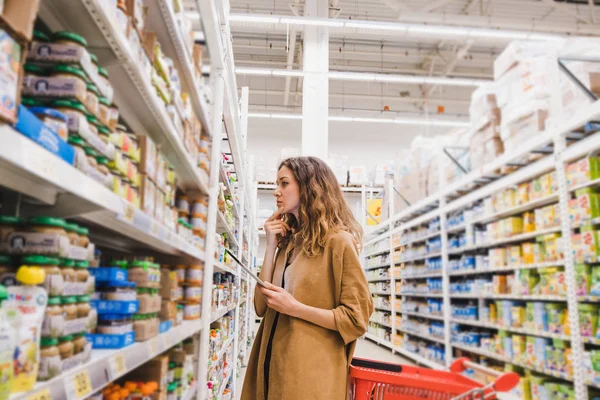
(401,121)
(383,27)
(192,15)
(312,21)
(367,77)
(263,19)
(287,72)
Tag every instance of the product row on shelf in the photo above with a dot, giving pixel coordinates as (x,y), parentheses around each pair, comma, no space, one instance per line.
(502,265)
(108,184)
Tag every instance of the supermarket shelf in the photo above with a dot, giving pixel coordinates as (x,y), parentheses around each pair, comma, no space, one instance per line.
(455,229)
(507,268)
(509,297)
(422,315)
(419,239)
(386,279)
(383,309)
(426,295)
(161,19)
(381,293)
(434,274)
(229,189)
(517,210)
(523,331)
(377,266)
(135,96)
(591,340)
(225,346)
(100,368)
(419,258)
(417,358)
(513,239)
(30,169)
(422,335)
(499,357)
(220,313)
(593,183)
(222,226)
(589,298)
(220,267)
(378,252)
(380,323)
(346,189)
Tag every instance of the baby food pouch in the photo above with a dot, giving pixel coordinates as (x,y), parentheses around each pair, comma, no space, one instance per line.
(588,319)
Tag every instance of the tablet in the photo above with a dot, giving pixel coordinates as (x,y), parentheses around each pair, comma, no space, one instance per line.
(245,268)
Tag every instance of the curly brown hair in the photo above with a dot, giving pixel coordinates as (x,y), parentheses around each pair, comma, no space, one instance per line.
(323,210)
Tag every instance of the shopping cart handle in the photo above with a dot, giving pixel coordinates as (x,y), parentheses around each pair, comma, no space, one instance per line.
(504,382)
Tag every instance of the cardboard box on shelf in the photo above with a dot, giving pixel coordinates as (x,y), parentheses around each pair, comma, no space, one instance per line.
(522,123)
(197,56)
(168,311)
(145,329)
(518,51)
(137,11)
(18,16)
(148,157)
(484,152)
(155,370)
(147,195)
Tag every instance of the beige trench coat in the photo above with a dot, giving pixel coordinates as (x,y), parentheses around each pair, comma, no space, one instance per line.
(309,362)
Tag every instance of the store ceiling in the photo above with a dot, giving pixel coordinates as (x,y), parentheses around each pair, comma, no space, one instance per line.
(260,45)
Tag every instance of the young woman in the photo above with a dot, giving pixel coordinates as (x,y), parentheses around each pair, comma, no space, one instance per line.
(316,302)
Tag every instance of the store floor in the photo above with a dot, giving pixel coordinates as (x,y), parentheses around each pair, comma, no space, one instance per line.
(364,349)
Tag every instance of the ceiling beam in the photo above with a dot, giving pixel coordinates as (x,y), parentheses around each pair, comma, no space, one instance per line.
(434,5)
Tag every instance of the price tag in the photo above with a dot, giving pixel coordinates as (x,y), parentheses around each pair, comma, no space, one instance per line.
(129,213)
(78,386)
(116,366)
(153,347)
(41,395)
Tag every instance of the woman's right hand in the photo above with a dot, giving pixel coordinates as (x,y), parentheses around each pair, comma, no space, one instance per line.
(275,229)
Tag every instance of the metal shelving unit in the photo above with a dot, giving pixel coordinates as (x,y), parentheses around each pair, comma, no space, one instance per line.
(552,154)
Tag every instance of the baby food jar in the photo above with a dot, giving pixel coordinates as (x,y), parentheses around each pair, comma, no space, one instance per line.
(122,291)
(94,124)
(191,311)
(91,98)
(48,225)
(94,59)
(81,273)
(192,294)
(76,78)
(104,134)
(78,145)
(183,206)
(67,270)
(73,233)
(113,120)
(103,74)
(84,240)
(104,110)
(69,308)
(200,208)
(50,359)
(73,109)
(53,119)
(8,271)
(53,282)
(114,324)
(34,71)
(103,165)
(91,157)
(66,348)
(180,272)
(79,343)
(8,225)
(54,320)
(194,274)
(179,317)
(69,38)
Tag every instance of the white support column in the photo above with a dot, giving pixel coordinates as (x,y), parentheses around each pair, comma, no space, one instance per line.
(315,94)
(446,306)
(218,89)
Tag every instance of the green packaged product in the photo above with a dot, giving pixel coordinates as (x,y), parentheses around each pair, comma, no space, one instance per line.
(588,319)
(556,317)
(528,280)
(595,286)
(583,279)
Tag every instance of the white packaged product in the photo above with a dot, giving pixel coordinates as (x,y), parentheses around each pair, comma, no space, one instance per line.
(518,51)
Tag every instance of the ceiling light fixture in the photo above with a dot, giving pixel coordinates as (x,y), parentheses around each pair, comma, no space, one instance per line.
(367,77)
(401,121)
(422,29)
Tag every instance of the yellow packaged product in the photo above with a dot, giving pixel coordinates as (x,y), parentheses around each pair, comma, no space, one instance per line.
(512,226)
(529,222)
(514,255)
(528,252)
(510,198)
(523,193)
(518,316)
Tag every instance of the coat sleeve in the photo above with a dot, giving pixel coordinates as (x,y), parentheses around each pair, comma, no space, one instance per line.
(356,303)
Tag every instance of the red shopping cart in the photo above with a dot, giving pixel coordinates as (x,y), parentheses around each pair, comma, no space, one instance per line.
(373,380)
